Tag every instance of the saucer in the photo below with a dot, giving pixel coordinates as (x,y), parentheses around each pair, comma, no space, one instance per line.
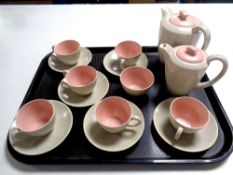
(39,145)
(73,99)
(112,142)
(192,143)
(84,59)
(112,63)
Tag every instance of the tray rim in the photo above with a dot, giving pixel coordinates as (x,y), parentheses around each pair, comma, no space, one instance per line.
(148,49)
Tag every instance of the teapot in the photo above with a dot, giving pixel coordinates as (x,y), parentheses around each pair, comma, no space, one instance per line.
(185,66)
(182,29)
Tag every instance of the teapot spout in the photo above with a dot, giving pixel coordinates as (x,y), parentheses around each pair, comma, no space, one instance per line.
(166,11)
(164,51)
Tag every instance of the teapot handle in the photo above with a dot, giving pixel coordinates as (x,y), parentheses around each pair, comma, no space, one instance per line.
(206,34)
(224,62)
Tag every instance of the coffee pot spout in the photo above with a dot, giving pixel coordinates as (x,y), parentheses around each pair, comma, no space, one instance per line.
(166,11)
(165,49)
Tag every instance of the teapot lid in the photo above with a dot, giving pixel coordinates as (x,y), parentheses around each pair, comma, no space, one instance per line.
(190,54)
(183,19)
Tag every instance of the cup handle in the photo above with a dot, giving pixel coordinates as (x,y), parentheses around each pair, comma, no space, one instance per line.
(55,55)
(16,134)
(64,83)
(122,63)
(137,120)
(224,62)
(206,34)
(65,72)
(178,133)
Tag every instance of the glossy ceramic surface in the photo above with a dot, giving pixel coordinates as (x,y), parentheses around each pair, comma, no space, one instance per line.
(111,62)
(85,58)
(33,146)
(192,143)
(73,99)
(112,142)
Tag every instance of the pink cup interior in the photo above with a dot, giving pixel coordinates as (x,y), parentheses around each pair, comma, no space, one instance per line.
(137,78)
(189,112)
(66,47)
(113,112)
(81,76)
(34,115)
(128,49)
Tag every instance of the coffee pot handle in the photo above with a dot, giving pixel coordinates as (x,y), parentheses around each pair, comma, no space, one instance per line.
(224,62)
(206,34)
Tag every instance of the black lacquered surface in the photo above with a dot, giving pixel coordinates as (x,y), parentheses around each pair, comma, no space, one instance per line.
(151,148)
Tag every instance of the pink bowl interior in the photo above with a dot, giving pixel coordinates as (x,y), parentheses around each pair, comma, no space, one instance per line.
(81,76)
(34,115)
(190,112)
(128,49)
(66,47)
(137,78)
(113,112)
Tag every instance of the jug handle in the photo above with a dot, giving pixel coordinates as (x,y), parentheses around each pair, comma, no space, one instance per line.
(224,62)
(206,34)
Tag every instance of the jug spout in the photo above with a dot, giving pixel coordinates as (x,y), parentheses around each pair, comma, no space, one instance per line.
(165,50)
(166,11)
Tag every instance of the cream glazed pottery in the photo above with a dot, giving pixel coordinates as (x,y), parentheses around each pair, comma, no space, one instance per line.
(200,141)
(181,29)
(185,66)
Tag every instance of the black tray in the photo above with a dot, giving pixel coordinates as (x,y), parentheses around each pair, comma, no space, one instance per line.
(151,149)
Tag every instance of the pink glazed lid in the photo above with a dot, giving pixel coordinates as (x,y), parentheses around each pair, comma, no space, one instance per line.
(183,19)
(190,54)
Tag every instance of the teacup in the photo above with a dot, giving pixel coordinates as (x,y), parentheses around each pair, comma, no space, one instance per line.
(114,114)
(67,51)
(35,118)
(128,52)
(188,115)
(136,80)
(81,79)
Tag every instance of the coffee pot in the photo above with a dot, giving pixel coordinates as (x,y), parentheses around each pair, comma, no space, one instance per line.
(185,66)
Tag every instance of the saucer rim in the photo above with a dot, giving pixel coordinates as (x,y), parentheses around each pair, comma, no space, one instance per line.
(80,104)
(135,107)
(114,73)
(53,145)
(70,66)
(176,146)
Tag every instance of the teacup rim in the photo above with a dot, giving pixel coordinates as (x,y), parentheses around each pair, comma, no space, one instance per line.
(28,103)
(78,66)
(128,57)
(138,67)
(113,127)
(68,40)
(184,126)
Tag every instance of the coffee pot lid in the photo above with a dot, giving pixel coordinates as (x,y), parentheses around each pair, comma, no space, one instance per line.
(183,19)
(190,54)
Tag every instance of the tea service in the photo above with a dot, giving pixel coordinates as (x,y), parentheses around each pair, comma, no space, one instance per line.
(64,58)
(126,53)
(114,124)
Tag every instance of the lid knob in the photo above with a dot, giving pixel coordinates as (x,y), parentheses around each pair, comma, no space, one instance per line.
(191,51)
(183,14)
